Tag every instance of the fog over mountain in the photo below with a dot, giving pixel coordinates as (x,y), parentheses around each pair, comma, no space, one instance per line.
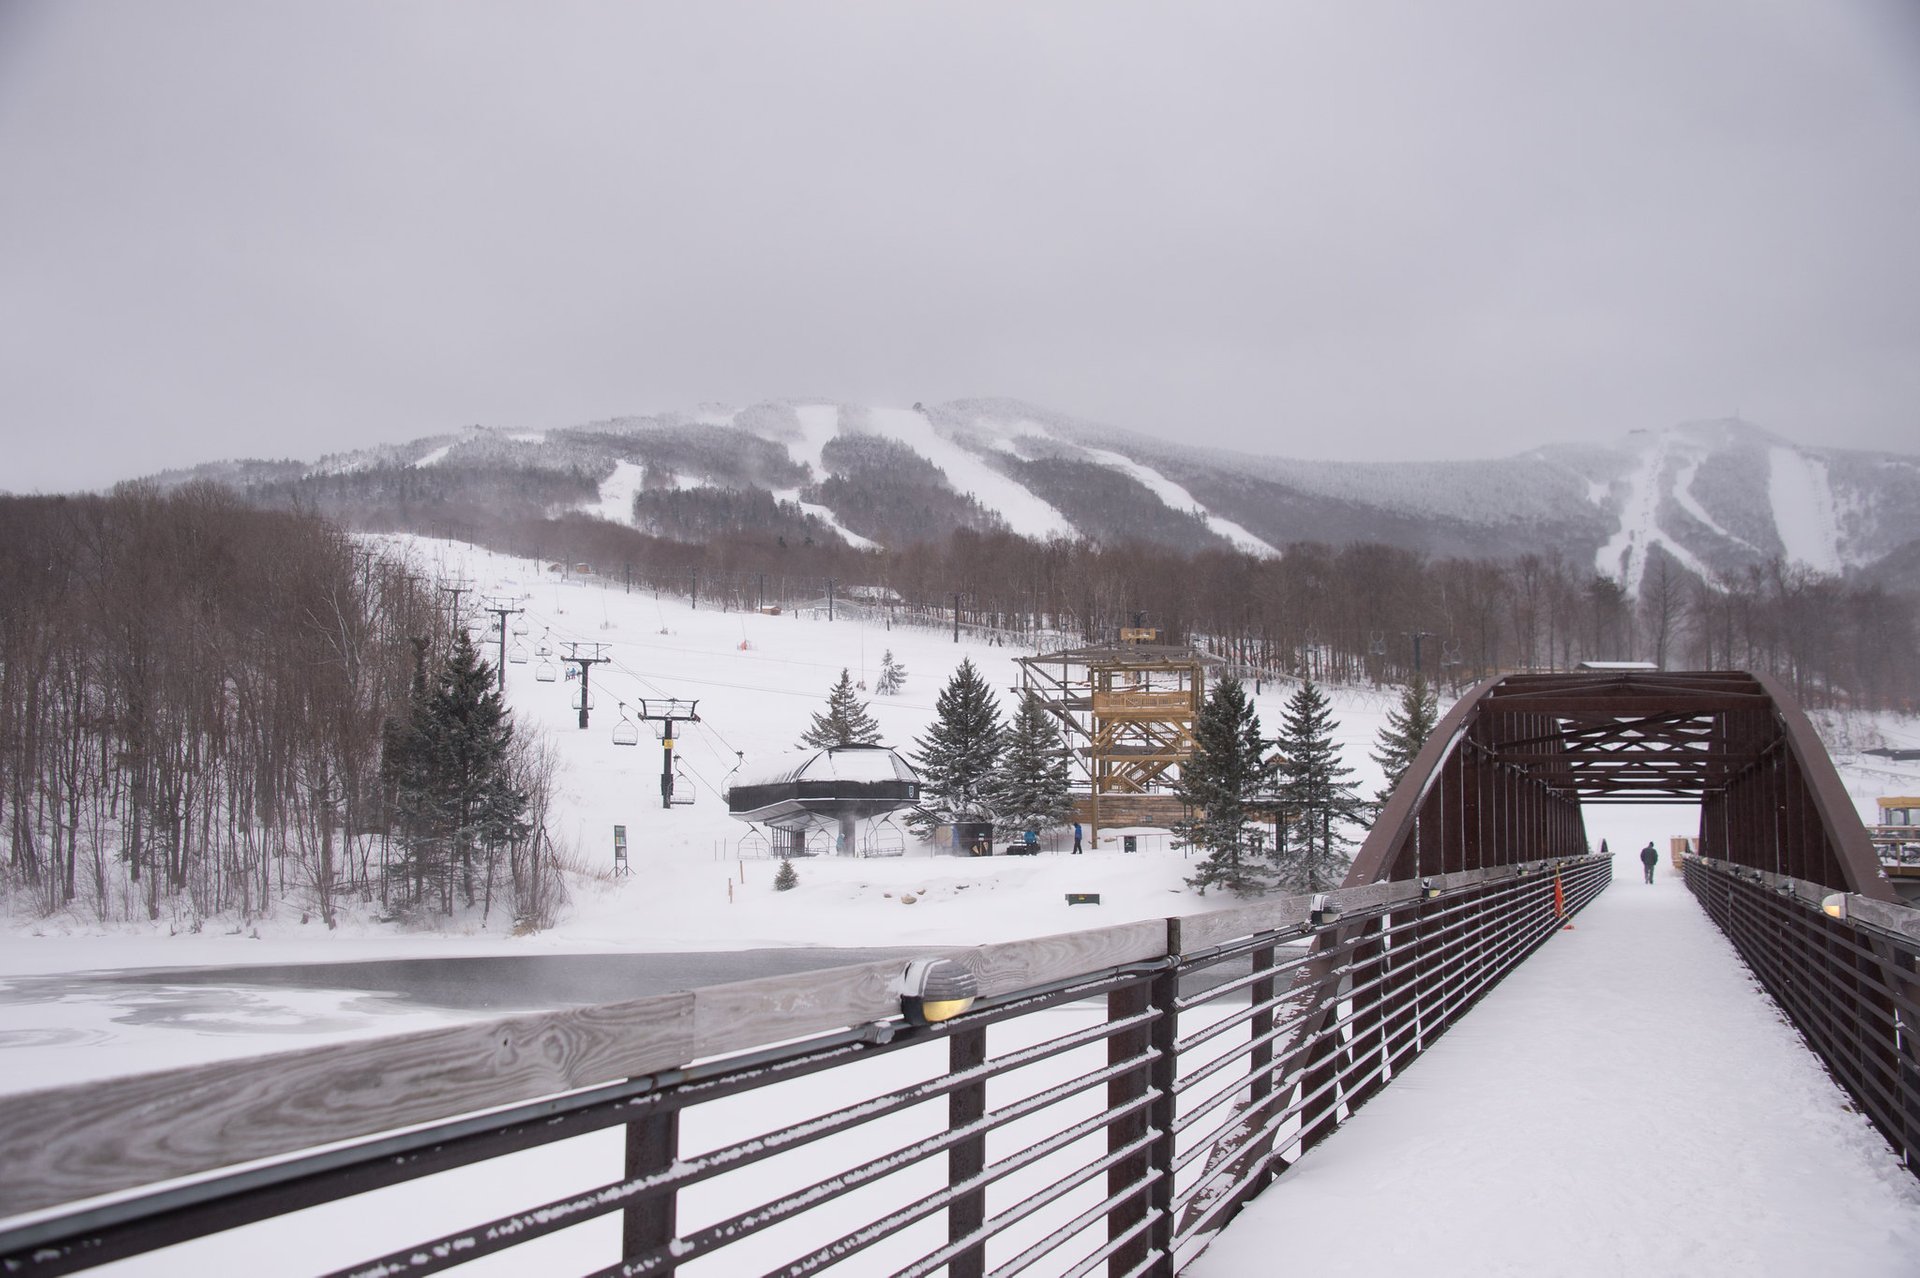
(1719,497)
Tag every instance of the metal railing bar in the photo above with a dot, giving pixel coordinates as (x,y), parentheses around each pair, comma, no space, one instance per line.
(1091,1261)
(900,1218)
(564,1213)
(1189,1080)
(719,1233)
(172,1216)
(1028,1205)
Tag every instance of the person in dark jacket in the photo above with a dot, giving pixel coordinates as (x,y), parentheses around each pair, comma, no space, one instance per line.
(1649,858)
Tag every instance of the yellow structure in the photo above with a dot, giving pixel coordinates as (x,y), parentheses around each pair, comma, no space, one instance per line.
(1128,714)
(1897,835)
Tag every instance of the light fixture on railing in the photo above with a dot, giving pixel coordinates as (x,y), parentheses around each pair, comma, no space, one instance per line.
(1323,910)
(936,990)
(1835,906)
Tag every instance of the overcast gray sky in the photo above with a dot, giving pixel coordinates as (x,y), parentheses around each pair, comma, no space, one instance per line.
(1331,229)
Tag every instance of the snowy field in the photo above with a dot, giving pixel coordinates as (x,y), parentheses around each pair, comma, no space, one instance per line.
(759,679)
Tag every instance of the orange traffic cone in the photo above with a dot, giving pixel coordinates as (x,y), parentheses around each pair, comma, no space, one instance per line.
(1560,901)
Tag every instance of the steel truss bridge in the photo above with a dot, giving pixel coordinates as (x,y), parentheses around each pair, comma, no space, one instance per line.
(1106,1106)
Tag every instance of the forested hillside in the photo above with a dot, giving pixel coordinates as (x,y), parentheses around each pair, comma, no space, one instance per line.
(194,695)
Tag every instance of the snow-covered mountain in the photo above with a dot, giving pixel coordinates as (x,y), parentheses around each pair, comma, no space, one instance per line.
(1718,497)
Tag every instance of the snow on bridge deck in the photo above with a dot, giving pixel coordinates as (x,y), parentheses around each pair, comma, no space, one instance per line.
(1629,1101)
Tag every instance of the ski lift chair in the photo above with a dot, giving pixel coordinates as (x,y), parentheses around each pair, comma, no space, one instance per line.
(884,838)
(626,732)
(575,702)
(520,626)
(682,796)
(517,654)
(544,648)
(546,673)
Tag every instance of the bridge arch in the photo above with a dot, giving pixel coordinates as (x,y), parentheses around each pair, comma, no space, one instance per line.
(1503,777)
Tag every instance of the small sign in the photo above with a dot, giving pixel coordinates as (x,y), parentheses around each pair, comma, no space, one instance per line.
(1083,898)
(1129,843)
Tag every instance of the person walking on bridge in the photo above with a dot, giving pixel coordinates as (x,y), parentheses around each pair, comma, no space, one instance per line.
(1649,858)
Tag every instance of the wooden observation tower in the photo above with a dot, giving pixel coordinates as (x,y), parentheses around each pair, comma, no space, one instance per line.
(1128,714)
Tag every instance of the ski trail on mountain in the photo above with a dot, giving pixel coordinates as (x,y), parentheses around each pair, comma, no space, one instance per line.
(617,492)
(1683,494)
(1624,557)
(1803,510)
(1178,498)
(826,516)
(1025,513)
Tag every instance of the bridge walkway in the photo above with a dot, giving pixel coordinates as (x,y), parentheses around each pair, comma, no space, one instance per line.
(1628,1101)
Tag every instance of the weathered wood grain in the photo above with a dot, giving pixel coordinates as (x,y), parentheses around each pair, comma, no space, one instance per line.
(1217,927)
(748,1014)
(1017,965)
(64,1144)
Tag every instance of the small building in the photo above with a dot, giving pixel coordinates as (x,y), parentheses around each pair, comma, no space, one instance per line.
(838,786)
(1896,836)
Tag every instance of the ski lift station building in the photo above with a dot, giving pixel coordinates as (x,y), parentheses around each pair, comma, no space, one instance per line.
(807,790)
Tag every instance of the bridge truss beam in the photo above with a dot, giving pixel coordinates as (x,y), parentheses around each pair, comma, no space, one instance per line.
(1504,776)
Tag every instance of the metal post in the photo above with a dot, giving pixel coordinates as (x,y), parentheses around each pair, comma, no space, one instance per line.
(649,1225)
(967,1158)
(666,768)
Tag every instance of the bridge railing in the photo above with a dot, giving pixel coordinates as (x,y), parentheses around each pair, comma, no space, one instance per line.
(1108,1104)
(1843,968)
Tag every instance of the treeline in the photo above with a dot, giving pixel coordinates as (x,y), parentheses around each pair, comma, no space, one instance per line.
(193,694)
(1347,613)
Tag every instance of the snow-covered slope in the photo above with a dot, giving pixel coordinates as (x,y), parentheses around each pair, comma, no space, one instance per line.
(1715,497)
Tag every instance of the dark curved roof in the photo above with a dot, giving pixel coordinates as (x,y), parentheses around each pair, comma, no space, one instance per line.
(820,787)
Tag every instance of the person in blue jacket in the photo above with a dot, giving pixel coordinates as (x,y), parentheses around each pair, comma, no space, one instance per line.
(1076,838)
(1032,839)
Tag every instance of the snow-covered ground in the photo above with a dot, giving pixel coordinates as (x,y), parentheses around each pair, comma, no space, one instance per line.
(1624,556)
(615,503)
(1629,1101)
(759,679)
(1803,508)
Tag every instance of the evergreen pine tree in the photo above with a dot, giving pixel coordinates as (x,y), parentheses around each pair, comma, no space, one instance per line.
(404,760)
(1407,728)
(957,756)
(786,879)
(1030,787)
(1225,775)
(452,775)
(893,675)
(1317,790)
(846,721)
